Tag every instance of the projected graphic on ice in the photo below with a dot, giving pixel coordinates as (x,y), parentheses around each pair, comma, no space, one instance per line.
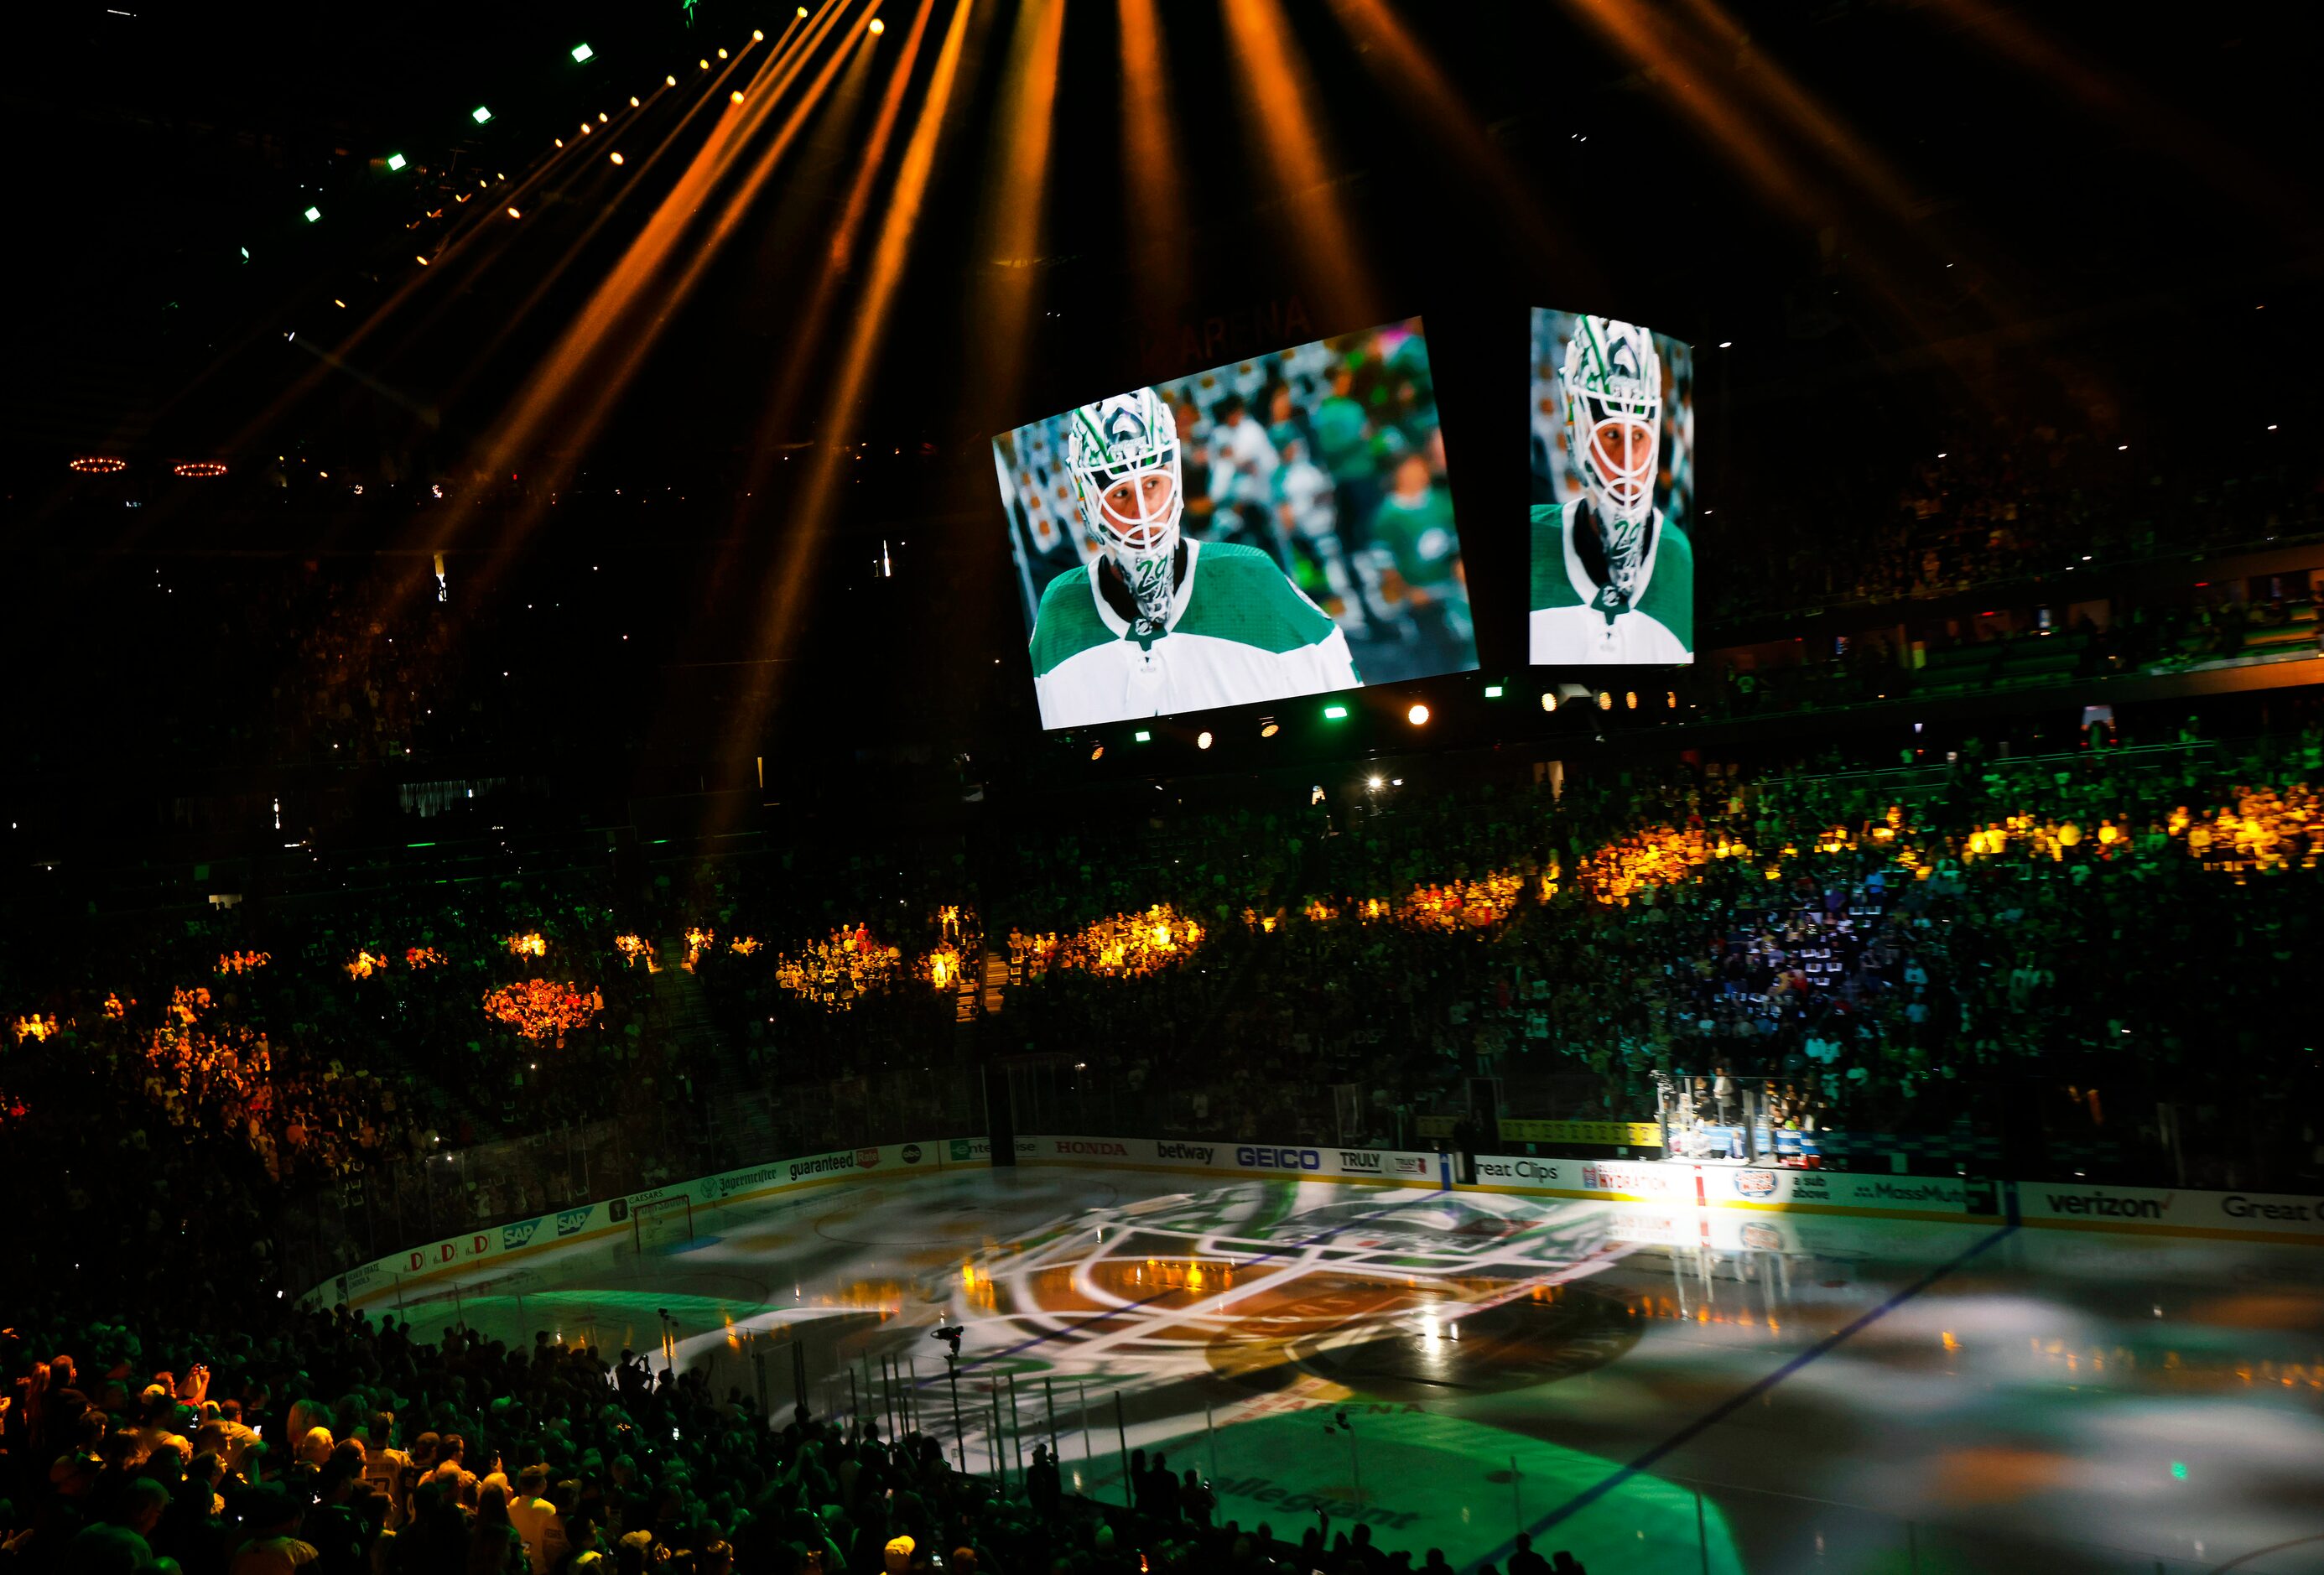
(1613,491)
(1275,528)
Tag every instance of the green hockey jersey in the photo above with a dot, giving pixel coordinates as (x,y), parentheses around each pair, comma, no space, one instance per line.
(1239,631)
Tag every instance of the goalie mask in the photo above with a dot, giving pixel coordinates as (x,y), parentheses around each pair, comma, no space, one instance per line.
(1613,385)
(1124,455)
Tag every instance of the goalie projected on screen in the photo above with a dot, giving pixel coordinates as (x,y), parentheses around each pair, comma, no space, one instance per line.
(1613,484)
(1276,528)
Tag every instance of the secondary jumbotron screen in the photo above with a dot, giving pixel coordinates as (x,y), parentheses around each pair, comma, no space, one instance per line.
(1613,494)
(1277,527)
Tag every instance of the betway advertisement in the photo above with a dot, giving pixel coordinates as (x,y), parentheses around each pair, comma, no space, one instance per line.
(2077,1205)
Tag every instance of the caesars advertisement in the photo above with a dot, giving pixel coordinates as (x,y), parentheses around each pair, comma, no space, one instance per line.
(1276,527)
(1613,494)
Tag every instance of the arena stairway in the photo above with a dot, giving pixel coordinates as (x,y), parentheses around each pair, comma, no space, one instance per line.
(737,1116)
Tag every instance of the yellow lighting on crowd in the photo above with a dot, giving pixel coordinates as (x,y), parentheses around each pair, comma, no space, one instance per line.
(542,1010)
(243,962)
(635,949)
(527,943)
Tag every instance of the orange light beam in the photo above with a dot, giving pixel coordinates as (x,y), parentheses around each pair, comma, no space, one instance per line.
(1149,148)
(792,380)
(1022,127)
(703,252)
(1403,66)
(1278,110)
(606,319)
(790,590)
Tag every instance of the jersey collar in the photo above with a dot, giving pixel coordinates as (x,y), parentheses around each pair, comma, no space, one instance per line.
(1119,625)
(1579,576)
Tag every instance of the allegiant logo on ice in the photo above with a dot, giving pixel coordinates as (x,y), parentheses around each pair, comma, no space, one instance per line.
(1278,1159)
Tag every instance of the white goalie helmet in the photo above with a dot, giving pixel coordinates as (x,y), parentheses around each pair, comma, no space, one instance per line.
(1613,387)
(1124,452)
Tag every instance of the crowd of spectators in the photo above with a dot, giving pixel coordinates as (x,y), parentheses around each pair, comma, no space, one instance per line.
(1984,511)
(1890,951)
(322,1441)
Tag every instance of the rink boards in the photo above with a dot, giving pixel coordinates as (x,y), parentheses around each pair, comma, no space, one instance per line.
(1709,1203)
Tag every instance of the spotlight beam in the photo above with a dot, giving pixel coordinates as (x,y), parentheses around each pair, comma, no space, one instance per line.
(1149,147)
(796,580)
(1278,109)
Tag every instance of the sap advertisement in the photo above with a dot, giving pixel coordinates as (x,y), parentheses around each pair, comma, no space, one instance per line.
(1613,494)
(1276,527)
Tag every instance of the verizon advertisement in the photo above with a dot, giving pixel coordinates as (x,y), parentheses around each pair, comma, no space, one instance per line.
(2077,1205)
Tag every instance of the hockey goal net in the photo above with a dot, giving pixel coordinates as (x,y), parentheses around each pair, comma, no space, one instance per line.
(664,1223)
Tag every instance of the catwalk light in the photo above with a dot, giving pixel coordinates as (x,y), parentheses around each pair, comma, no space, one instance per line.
(1335,713)
(736,95)
(198,469)
(758,35)
(480,115)
(878,27)
(583,52)
(1202,740)
(313,213)
(1417,715)
(1268,729)
(1098,753)
(513,214)
(615,157)
(98,465)
(1492,691)
(395,161)
(1142,736)
(1549,702)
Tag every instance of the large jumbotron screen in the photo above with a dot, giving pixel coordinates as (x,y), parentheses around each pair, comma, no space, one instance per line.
(1613,493)
(1275,528)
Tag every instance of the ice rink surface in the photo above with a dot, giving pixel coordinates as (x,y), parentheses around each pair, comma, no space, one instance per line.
(1656,1389)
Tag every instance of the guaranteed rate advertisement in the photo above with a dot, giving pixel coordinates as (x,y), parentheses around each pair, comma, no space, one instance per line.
(1275,528)
(1613,494)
